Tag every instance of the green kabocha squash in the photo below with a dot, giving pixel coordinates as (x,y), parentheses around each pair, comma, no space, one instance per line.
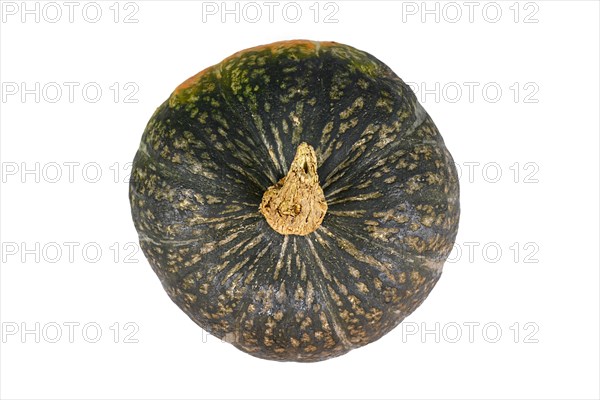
(295,199)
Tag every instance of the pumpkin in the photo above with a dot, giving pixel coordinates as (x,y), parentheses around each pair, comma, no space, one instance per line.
(295,200)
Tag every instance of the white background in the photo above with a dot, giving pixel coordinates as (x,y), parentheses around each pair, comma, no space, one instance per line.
(537,299)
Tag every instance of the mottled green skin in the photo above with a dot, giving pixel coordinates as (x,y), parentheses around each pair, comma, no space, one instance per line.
(209,153)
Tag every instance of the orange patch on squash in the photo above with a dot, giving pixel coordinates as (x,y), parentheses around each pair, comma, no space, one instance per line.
(191,81)
(307,44)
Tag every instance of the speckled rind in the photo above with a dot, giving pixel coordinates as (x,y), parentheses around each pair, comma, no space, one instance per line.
(225,135)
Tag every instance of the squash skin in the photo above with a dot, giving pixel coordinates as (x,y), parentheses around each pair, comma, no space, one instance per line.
(225,135)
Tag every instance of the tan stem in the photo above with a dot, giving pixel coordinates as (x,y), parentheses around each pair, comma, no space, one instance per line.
(296,204)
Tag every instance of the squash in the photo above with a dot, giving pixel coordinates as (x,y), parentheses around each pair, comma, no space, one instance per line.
(295,200)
